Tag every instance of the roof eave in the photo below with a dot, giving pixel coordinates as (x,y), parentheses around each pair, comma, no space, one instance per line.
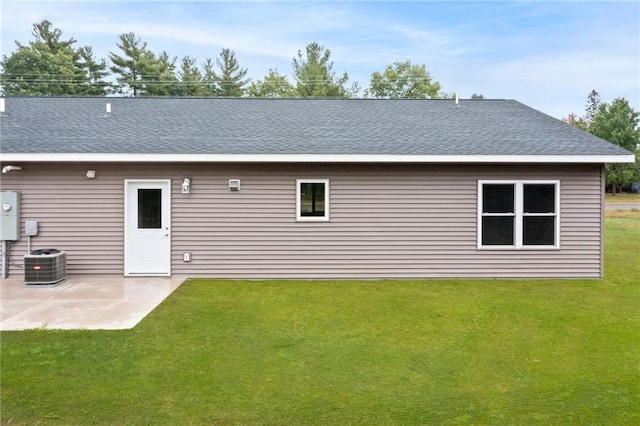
(307,158)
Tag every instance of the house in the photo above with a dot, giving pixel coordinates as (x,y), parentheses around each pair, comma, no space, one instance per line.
(305,188)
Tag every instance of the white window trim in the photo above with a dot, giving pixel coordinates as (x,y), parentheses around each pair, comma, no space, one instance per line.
(301,218)
(519,214)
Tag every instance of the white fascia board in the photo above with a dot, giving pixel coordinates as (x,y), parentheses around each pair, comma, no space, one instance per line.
(310,158)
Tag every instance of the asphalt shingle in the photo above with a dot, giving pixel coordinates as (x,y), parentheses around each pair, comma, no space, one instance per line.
(288,126)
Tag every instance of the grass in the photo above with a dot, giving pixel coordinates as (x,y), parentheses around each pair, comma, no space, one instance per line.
(351,352)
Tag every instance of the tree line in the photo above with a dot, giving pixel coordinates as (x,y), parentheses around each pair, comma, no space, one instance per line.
(53,65)
(618,123)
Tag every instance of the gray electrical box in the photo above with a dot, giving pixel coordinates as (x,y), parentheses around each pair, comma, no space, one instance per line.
(10,222)
(30,228)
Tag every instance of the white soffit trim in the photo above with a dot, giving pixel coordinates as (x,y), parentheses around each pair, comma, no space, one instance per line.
(310,158)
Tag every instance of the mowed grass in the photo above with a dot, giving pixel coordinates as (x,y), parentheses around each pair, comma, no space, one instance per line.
(351,352)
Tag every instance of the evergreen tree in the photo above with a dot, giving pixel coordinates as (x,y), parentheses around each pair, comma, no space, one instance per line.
(190,78)
(50,65)
(160,79)
(230,79)
(314,76)
(592,107)
(136,64)
(209,78)
(96,71)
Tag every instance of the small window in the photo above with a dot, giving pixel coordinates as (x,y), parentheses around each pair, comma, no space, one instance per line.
(312,200)
(518,215)
(149,208)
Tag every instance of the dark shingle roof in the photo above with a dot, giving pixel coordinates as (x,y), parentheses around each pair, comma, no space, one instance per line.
(288,126)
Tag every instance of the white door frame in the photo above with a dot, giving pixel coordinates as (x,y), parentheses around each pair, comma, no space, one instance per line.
(165,185)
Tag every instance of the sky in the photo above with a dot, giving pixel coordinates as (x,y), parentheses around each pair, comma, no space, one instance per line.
(546,54)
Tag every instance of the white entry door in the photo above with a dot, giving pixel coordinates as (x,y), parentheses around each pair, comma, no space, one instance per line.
(147,248)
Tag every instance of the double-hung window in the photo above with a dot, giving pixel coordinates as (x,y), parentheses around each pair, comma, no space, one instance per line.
(518,214)
(312,200)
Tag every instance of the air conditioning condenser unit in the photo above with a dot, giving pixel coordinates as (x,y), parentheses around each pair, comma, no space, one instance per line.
(45,267)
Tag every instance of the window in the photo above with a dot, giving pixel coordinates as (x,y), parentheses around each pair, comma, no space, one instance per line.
(519,214)
(312,202)
(149,208)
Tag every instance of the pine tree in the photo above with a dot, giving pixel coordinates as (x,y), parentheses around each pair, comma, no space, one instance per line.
(136,64)
(190,78)
(230,79)
(96,71)
(50,65)
(313,72)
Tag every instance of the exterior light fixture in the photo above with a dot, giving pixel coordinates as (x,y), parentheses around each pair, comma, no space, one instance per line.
(186,185)
(91,174)
(9,168)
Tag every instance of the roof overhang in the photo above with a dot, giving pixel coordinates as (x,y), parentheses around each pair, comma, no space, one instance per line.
(309,158)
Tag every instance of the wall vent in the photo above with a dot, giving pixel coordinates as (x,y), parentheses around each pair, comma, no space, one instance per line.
(234,185)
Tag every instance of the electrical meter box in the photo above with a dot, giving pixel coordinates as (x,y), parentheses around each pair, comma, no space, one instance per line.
(10,220)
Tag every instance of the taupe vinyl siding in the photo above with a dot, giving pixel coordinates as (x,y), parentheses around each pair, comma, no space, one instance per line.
(386,220)
(80,216)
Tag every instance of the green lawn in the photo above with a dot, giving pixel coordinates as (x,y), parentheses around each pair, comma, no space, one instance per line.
(351,352)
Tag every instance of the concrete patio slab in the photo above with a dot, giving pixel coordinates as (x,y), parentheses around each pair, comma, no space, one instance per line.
(83,302)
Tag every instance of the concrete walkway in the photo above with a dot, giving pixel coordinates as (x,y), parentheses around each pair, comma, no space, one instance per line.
(82,302)
(621,206)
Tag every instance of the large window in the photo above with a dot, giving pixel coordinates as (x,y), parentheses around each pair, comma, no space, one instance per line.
(518,214)
(312,200)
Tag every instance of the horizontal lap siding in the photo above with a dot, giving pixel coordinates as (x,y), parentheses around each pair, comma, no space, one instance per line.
(80,216)
(386,220)
(366,237)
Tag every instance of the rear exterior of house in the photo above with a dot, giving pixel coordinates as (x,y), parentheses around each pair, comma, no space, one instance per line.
(384,220)
(306,216)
